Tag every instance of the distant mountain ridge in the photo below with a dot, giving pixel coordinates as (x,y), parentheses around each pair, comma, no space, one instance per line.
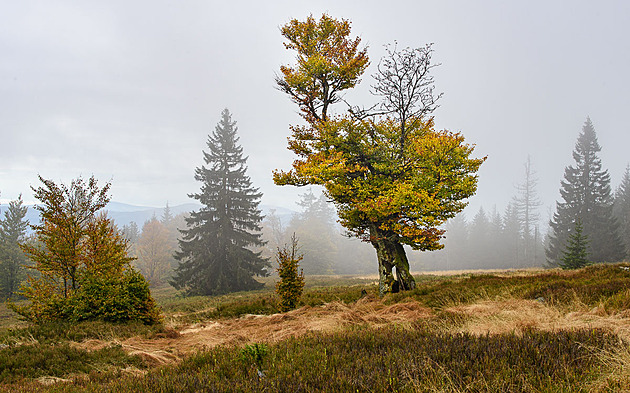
(123,213)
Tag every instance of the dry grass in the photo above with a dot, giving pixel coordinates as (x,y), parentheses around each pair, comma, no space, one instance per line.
(517,315)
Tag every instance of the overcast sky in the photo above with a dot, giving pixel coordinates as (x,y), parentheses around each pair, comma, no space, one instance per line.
(129,90)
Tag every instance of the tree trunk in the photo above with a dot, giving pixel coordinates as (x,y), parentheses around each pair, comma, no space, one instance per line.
(405,279)
(391,254)
(385,274)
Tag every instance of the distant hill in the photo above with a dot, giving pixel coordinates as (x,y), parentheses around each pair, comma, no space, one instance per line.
(123,213)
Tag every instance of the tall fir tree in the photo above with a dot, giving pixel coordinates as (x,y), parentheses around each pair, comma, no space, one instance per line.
(586,196)
(511,236)
(622,210)
(12,258)
(215,250)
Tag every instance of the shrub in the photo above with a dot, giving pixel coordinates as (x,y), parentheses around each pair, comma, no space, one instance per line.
(114,299)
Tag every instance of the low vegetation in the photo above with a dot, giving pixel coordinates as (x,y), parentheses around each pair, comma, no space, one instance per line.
(469,332)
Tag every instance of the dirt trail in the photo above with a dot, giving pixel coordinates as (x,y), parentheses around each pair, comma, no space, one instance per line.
(481,318)
(266,328)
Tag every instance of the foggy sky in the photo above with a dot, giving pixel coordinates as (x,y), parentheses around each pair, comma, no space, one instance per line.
(129,91)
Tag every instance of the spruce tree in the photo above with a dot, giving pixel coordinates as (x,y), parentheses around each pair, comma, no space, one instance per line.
(575,254)
(586,196)
(456,243)
(215,255)
(12,259)
(622,210)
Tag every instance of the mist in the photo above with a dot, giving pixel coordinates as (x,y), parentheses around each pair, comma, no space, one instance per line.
(128,92)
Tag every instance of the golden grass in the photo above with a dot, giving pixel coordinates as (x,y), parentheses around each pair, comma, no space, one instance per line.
(518,315)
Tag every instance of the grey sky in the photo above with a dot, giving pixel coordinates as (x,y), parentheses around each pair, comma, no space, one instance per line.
(129,90)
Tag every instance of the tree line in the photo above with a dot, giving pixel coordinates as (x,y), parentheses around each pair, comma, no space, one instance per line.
(591,223)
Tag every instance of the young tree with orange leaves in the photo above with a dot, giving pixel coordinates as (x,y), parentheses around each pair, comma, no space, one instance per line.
(82,261)
(393,178)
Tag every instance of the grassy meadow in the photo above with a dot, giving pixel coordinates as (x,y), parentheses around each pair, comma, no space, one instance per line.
(516,331)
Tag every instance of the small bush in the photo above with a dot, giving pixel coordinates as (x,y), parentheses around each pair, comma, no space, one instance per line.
(254,355)
(112,298)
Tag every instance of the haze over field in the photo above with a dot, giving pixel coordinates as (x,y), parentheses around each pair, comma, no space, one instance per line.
(130,91)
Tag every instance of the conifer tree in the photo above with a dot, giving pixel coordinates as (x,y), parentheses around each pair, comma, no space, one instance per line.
(586,196)
(167,215)
(456,247)
(575,254)
(131,232)
(12,258)
(511,239)
(215,249)
(622,210)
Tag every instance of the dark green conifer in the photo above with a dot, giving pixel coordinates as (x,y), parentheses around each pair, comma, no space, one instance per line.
(575,254)
(586,196)
(215,255)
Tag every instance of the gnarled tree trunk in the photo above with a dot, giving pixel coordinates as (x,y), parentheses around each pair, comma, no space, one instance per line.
(391,254)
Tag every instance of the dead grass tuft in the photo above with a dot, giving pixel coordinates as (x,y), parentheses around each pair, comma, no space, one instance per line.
(49,380)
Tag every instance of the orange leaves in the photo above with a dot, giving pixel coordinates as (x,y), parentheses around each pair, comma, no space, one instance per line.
(328,61)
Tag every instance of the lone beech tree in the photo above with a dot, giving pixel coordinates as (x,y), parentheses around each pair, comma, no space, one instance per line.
(215,250)
(393,178)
